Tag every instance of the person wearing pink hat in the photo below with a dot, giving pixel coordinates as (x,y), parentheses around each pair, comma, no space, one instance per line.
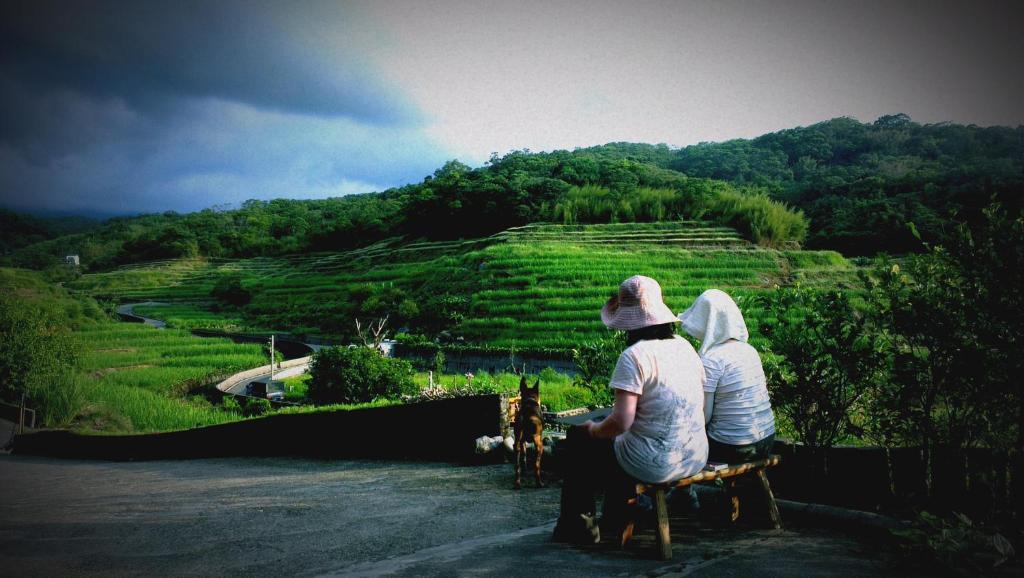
(655,432)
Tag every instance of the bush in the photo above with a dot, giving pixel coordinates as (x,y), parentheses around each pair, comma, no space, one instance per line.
(759,218)
(357,375)
(230,404)
(952,320)
(230,290)
(822,359)
(38,357)
(595,361)
(257,406)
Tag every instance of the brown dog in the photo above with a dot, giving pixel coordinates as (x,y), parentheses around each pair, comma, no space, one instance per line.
(529,424)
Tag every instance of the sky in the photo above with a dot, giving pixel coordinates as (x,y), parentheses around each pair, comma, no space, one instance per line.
(124,107)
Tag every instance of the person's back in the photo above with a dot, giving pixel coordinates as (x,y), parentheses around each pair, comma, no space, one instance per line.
(666,441)
(742,413)
(737,411)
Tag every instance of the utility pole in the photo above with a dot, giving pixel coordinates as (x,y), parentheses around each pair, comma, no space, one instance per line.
(21,415)
(272,357)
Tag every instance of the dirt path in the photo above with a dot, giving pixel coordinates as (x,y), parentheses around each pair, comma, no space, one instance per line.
(307,517)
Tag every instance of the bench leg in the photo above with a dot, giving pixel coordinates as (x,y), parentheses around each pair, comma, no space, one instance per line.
(664,538)
(629,523)
(734,499)
(773,508)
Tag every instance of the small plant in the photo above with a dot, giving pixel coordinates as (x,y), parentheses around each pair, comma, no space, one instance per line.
(230,404)
(439,362)
(953,543)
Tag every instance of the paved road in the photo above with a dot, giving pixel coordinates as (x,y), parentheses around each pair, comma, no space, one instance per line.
(353,518)
(129,309)
(239,388)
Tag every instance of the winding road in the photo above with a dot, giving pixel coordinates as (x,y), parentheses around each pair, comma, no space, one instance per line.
(236,384)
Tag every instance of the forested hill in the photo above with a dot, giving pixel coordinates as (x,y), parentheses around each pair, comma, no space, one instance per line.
(585,186)
(18,230)
(839,184)
(860,184)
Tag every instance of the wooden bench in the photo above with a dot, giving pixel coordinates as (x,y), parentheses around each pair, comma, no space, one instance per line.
(658,493)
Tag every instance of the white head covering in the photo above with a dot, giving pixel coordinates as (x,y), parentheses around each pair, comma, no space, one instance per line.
(637,305)
(714,318)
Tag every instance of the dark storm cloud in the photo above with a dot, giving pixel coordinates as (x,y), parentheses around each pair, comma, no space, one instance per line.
(244,51)
(128,106)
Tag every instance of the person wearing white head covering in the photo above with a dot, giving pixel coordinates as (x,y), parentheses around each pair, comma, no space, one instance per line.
(737,411)
(655,432)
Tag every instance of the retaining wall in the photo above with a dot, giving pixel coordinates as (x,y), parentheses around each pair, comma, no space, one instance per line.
(871,478)
(435,430)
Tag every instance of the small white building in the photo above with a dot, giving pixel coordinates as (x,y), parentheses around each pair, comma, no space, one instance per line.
(71,260)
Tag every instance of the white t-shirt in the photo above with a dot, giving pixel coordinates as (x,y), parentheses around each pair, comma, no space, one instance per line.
(742,413)
(667,440)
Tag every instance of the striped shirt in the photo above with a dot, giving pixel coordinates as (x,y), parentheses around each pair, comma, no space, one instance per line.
(742,413)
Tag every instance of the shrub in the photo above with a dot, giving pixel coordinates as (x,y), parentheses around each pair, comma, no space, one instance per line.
(759,218)
(595,360)
(38,357)
(257,406)
(229,290)
(357,375)
(952,320)
(821,360)
(230,404)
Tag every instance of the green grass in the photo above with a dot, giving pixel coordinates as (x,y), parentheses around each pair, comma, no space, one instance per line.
(557,391)
(138,379)
(538,286)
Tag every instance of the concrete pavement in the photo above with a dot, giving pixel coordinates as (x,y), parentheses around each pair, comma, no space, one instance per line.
(349,518)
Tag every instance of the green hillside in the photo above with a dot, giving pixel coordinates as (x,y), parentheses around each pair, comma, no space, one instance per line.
(532,287)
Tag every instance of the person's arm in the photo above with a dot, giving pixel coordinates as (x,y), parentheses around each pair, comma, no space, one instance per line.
(712,375)
(709,406)
(620,420)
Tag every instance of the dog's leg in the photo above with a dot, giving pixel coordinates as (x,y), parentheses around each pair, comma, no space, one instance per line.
(520,458)
(538,445)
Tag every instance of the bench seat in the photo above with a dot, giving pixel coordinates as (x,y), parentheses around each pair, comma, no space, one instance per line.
(658,493)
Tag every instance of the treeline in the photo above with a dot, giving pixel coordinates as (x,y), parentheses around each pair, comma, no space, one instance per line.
(455,202)
(17,230)
(861,184)
(859,187)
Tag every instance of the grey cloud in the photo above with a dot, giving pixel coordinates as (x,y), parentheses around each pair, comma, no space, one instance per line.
(265,54)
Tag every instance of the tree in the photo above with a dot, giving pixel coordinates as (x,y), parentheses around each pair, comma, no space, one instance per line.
(952,321)
(357,375)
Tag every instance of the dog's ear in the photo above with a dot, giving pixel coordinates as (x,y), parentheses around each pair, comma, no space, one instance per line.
(536,386)
(522,383)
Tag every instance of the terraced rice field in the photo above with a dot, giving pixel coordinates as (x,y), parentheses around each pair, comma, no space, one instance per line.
(139,378)
(538,286)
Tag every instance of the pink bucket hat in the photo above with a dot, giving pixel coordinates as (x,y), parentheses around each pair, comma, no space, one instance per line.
(637,305)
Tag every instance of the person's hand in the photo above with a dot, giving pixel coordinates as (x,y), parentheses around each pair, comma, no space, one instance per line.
(579,431)
(587,425)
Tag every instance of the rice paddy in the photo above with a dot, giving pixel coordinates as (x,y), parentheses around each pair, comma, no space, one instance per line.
(538,286)
(138,378)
